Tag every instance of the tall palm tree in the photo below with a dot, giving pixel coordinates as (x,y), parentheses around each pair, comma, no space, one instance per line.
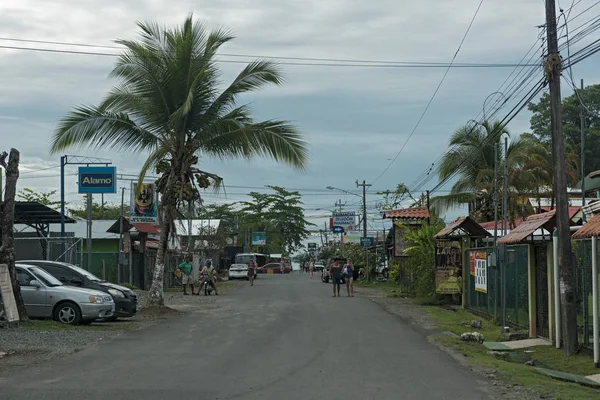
(471,156)
(169,104)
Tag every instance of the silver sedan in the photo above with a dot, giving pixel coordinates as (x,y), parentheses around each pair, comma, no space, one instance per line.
(46,297)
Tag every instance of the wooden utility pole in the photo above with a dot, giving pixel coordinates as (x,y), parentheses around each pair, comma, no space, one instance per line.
(552,70)
(364,185)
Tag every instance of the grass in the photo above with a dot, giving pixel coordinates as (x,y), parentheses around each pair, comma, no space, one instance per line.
(50,325)
(391,288)
(520,373)
(459,322)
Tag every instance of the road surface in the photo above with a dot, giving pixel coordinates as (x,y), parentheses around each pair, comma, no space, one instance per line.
(285,338)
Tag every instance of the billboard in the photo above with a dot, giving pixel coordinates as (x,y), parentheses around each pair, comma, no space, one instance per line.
(448,267)
(97,180)
(343,221)
(143,209)
(259,238)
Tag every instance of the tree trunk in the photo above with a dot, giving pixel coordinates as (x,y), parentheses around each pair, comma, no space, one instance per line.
(155,296)
(7,247)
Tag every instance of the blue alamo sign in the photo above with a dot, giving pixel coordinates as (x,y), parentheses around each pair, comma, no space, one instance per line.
(97,179)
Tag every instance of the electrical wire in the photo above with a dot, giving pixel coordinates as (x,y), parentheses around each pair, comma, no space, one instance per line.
(432,97)
(254,56)
(304,64)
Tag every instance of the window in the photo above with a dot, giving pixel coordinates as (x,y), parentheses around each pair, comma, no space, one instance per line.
(64,275)
(23,277)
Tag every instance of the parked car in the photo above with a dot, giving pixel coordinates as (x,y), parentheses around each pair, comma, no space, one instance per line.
(319,267)
(238,271)
(126,301)
(273,268)
(46,297)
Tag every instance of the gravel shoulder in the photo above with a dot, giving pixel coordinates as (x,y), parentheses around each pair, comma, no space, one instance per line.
(405,309)
(39,341)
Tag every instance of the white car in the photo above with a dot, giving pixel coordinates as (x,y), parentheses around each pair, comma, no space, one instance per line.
(238,271)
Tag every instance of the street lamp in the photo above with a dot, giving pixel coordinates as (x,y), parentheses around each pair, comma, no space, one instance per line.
(342,190)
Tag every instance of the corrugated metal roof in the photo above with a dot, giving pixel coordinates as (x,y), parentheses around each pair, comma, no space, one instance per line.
(529,226)
(589,229)
(407,213)
(461,227)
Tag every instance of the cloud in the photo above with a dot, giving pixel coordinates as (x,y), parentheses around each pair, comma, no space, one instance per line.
(354,119)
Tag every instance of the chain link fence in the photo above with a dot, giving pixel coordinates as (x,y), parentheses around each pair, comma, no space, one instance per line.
(488,302)
(582,252)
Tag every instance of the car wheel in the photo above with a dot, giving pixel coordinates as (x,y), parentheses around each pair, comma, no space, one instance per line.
(67,313)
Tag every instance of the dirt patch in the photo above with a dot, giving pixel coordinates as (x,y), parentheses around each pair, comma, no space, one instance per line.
(158,312)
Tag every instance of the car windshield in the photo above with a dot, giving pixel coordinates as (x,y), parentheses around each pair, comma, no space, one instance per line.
(85,273)
(44,277)
(244,258)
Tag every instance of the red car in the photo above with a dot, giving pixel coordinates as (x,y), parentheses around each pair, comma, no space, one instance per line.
(273,268)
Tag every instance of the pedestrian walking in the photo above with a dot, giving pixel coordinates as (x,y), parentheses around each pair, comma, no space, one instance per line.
(349,275)
(311,266)
(186,274)
(335,274)
(251,272)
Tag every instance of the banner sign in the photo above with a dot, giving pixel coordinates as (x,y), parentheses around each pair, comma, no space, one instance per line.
(343,221)
(478,264)
(97,180)
(259,238)
(144,208)
(448,263)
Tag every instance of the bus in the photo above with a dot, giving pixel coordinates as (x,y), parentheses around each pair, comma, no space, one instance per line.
(244,258)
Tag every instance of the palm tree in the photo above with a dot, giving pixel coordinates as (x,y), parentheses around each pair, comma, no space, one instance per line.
(471,156)
(168,103)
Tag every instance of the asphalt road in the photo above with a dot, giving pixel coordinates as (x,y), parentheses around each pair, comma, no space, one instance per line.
(284,338)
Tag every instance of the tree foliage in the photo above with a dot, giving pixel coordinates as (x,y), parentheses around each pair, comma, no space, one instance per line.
(45,198)
(540,124)
(99,212)
(170,104)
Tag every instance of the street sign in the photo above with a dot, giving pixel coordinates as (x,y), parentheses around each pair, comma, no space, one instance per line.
(343,221)
(259,238)
(97,180)
(312,247)
(367,241)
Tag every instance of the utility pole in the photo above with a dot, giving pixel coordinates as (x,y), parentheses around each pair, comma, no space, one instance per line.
(339,205)
(552,70)
(582,153)
(364,196)
(428,211)
(505,230)
(121,244)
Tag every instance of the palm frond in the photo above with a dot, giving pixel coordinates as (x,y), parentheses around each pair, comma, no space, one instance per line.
(97,128)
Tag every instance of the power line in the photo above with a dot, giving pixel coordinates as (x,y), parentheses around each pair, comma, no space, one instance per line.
(302,64)
(433,96)
(335,62)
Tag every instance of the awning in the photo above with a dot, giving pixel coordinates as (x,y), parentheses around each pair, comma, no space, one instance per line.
(463,226)
(32,213)
(529,226)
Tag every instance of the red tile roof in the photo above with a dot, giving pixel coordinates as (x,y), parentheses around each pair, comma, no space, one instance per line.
(490,224)
(529,226)
(147,228)
(589,229)
(407,213)
(572,210)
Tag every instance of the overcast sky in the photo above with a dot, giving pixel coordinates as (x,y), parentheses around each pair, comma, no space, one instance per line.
(355,119)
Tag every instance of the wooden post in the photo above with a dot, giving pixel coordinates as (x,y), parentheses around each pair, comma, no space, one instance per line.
(568,282)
